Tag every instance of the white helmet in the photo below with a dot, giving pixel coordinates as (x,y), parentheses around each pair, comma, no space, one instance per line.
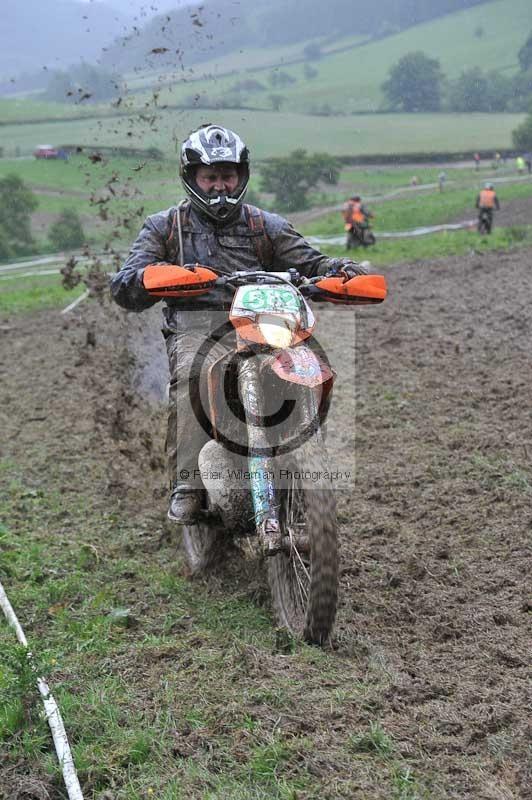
(213,144)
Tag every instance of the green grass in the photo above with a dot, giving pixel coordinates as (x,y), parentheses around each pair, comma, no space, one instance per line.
(271,133)
(31,294)
(351,81)
(241,61)
(14,110)
(81,175)
(373,741)
(424,208)
(348,81)
(374,182)
(190,700)
(155,187)
(138,193)
(438,245)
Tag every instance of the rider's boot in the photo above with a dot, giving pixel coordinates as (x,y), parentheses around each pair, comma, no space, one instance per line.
(185,504)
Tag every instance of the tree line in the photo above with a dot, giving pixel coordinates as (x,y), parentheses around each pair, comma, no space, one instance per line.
(82,83)
(17,203)
(417,83)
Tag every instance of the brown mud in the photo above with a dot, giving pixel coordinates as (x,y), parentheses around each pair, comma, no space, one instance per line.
(435,531)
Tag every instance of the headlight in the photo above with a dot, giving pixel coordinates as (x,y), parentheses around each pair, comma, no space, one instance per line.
(277,331)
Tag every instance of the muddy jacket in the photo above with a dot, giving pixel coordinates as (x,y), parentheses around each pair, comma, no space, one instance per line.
(230,248)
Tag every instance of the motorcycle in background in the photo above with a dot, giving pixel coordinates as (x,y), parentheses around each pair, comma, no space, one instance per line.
(485,221)
(359,234)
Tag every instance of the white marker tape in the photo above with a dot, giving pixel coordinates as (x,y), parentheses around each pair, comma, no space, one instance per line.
(62,747)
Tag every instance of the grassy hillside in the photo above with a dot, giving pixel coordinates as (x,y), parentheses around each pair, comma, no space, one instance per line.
(271,133)
(350,73)
(351,80)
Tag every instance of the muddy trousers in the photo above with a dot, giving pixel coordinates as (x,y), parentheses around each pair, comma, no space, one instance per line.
(189,356)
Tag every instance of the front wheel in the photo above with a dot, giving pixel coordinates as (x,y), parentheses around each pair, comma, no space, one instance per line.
(484,224)
(303,576)
(369,238)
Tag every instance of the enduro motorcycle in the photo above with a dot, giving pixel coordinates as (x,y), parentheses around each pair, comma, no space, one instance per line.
(265,469)
(359,235)
(485,220)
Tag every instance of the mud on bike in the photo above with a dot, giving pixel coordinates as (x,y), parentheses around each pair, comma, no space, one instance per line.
(265,469)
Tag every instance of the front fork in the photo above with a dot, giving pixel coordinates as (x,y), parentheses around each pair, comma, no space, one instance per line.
(260,460)
(262,464)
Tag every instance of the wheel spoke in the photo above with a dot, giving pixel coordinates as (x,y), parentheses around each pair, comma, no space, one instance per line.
(304,596)
(302,589)
(293,510)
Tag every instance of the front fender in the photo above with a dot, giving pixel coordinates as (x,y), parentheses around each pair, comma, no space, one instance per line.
(302,365)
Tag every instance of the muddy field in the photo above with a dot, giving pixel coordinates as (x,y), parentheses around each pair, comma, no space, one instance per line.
(435,615)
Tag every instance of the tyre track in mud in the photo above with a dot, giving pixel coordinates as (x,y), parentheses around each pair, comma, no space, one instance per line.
(435,606)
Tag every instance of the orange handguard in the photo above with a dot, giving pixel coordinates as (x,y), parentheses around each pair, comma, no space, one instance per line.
(169,280)
(360,289)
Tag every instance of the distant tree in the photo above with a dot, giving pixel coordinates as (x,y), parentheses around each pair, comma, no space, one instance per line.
(279,79)
(414,83)
(521,91)
(290,178)
(81,83)
(59,88)
(522,135)
(310,72)
(476,90)
(5,248)
(277,101)
(17,202)
(312,52)
(469,92)
(231,100)
(66,233)
(525,55)
(248,85)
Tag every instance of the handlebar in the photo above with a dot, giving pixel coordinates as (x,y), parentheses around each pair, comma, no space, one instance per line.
(166,280)
(242,278)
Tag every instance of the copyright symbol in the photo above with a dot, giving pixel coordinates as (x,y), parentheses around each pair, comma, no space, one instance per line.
(184,474)
(299,434)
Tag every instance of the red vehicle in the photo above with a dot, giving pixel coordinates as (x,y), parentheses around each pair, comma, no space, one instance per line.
(46,151)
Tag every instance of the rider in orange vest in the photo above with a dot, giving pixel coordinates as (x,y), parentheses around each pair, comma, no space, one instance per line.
(356,218)
(354,212)
(487,200)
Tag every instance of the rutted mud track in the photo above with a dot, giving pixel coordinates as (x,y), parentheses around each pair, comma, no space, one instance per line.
(434,607)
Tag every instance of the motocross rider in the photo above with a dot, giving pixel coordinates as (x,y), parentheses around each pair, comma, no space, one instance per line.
(487,200)
(355,215)
(216,229)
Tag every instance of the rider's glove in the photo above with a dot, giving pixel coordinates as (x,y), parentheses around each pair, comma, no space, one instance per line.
(342,267)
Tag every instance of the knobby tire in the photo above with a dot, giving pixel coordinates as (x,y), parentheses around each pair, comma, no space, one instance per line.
(304,585)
